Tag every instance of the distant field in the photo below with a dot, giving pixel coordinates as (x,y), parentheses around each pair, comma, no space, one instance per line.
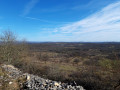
(92,65)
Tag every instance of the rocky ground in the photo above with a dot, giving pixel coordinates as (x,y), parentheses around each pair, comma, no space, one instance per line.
(13,79)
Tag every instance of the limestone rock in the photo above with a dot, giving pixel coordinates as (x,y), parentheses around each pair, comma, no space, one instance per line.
(34,82)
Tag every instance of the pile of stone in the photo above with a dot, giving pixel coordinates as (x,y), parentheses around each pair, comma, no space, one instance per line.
(34,82)
(38,83)
(13,72)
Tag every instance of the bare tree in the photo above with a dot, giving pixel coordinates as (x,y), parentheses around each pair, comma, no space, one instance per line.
(10,49)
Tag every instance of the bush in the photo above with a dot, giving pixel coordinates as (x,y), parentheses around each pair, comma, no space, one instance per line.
(106,64)
(91,62)
(76,61)
(55,73)
(110,64)
(10,49)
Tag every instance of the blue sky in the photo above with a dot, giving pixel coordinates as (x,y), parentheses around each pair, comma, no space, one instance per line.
(62,20)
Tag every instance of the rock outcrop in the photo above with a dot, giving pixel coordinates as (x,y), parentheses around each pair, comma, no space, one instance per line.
(33,82)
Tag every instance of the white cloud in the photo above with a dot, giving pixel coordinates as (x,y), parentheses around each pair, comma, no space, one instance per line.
(29,6)
(104,23)
(43,20)
(37,19)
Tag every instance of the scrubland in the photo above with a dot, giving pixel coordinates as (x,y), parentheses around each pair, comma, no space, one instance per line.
(95,66)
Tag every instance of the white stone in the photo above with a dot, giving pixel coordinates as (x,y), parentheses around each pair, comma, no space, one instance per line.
(10,82)
(28,77)
(56,84)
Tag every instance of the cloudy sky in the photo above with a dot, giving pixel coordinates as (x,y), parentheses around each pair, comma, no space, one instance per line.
(62,20)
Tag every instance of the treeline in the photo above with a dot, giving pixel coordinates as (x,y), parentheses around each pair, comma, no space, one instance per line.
(109,50)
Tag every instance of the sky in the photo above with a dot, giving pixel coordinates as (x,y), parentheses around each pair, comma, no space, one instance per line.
(62,20)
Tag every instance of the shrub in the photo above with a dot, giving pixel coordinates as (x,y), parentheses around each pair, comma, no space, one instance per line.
(110,64)
(76,61)
(106,63)
(10,49)
(55,73)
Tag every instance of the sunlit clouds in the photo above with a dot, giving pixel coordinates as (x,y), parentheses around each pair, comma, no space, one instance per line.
(101,26)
